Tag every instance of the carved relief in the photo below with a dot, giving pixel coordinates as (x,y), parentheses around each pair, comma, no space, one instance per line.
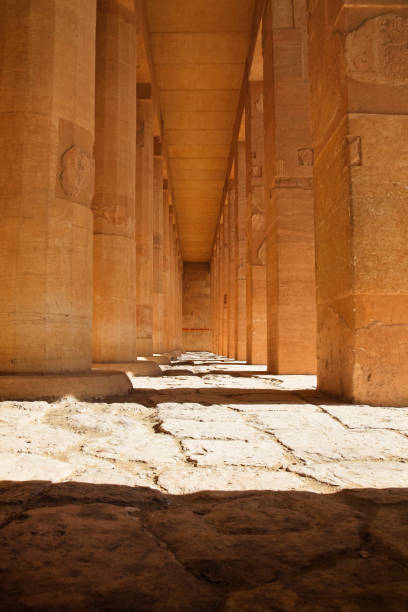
(305,157)
(77,173)
(353,151)
(377,52)
(256,171)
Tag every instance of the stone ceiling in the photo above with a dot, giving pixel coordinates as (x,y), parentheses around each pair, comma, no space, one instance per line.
(199,51)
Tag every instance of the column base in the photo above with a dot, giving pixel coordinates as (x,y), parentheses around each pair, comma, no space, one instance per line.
(135,368)
(81,385)
(162,358)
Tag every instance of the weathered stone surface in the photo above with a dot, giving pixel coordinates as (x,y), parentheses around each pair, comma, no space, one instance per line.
(352,584)
(211,430)
(381,474)
(313,444)
(185,480)
(35,438)
(32,467)
(370,417)
(197,412)
(265,453)
(111,562)
(138,445)
(209,538)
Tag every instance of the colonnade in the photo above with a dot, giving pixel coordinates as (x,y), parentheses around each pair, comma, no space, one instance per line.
(312,229)
(90,258)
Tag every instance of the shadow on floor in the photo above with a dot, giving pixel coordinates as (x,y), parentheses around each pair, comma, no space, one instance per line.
(208,396)
(78,546)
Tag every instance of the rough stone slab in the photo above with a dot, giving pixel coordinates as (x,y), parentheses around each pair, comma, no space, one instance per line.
(36,438)
(265,453)
(313,444)
(293,407)
(391,527)
(253,539)
(210,430)
(284,417)
(352,584)
(19,412)
(105,424)
(184,480)
(197,412)
(358,473)
(102,556)
(23,466)
(111,474)
(82,385)
(370,417)
(154,449)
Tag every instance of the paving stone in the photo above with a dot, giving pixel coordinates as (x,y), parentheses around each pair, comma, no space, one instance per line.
(197,412)
(297,416)
(390,525)
(350,585)
(183,480)
(140,446)
(36,438)
(337,443)
(275,405)
(210,430)
(358,473)
(265,453)
(96,556)
(29,412)
(370,417)
(251,540)
(25,466)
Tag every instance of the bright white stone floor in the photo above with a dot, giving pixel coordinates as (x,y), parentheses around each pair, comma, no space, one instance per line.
(208,424)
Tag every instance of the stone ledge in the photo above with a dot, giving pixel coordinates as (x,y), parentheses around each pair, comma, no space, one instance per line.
(136,368)
(82,385)
(162,359)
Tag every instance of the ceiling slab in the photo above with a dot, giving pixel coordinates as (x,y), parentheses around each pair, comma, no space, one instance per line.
(199,51)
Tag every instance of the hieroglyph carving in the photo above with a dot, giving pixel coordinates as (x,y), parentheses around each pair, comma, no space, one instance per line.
(77,174)
(377,51)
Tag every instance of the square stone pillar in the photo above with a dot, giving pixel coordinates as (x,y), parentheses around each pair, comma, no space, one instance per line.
(47,84)
(256,224)
(158,295)
(166,269)
(289,159)
(359,84)
(225,278)
(242,250)
(144,224)
(232,284)
(114,332)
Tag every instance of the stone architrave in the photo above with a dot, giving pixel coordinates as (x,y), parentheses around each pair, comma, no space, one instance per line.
(256,224)
(359,84)
(289,158)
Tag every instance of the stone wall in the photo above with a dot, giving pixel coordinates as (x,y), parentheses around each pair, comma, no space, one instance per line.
(196,307)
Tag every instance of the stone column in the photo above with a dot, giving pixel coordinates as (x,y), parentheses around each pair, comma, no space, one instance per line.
(114,333)
(242,251)
(359,83)
(289,159)
(47,55)
(232,284)
(144,225)
(158,301)
(225,279)
(256,268)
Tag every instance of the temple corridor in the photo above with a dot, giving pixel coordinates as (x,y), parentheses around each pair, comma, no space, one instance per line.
(203,305)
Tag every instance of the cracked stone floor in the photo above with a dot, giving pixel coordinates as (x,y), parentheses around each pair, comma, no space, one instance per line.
(213,487)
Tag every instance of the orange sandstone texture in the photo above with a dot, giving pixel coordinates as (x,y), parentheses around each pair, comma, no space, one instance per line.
(256,268)
(289,159)
(242,250)
(47,54)
(114,330)
(196,307)
(144,228)
(359,78)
